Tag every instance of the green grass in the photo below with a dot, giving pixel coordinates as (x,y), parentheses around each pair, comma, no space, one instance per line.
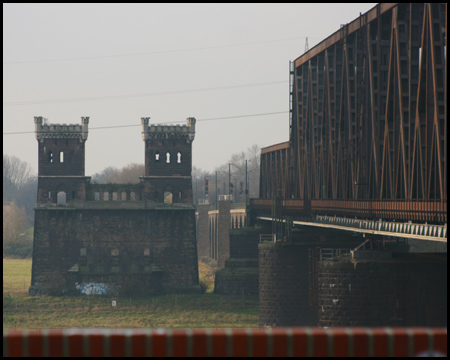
(22,311)
(16,274)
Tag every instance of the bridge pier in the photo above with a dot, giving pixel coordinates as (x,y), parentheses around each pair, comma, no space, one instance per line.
(383,289)
(288,276)
(316,279)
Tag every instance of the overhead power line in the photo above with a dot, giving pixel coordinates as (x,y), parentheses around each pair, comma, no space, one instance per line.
(170,122)
(52,101)
(150,53)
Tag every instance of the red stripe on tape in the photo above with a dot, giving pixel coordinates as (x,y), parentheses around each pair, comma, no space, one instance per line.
(159,343)
(360,342)
(401,342)
(117,345)
(15,344)
(380,342)
(35,347)
(179,343)
(199,344)
(340,342)
(138,345)
(55,344)
(75,343)
(96,347)
(239,343)
(260,342)
(219,343)
(299,342)
(279,342)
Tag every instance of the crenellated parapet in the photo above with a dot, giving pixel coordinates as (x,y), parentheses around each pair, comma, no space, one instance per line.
(61,131)
(162,132)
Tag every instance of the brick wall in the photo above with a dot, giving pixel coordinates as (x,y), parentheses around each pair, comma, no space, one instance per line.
(49,157)
(161,167)
(74,187)
(284,286)
(240,274)
(244,243)
(169,236)
(203,246)
(223,231)
(153,189)
(238,277)
(408,290)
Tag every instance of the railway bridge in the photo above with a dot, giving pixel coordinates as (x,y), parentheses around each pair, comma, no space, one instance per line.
(364,171)
(351,219)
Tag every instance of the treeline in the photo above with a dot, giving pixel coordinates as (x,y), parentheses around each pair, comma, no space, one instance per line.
(231,177)
(19,200)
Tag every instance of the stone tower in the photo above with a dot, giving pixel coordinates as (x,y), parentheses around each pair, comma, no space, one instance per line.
(168,162)
(61,176)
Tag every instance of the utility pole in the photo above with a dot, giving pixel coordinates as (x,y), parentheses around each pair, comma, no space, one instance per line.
(217,196)
(229,178)
(246,183)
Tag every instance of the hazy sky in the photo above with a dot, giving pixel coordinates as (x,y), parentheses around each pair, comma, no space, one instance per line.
(164,61)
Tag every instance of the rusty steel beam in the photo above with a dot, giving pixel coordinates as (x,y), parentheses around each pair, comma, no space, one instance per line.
(369,113)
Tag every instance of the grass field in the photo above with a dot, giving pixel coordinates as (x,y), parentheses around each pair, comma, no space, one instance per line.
(22,311)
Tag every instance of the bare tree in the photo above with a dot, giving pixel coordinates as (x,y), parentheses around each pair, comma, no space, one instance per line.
(15,174)
(129,174)
(107,175)
(13,222)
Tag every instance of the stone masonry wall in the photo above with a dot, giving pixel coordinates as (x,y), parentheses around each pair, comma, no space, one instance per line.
(153,189)
(74,187)
(167,235)
(244,243)
(238,277)
(223,224)
(403,291)
(240,274)
(73,158)
(161,167)
(203,230)
(284,286)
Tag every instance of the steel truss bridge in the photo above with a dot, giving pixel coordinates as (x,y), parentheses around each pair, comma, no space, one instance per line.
(368,122)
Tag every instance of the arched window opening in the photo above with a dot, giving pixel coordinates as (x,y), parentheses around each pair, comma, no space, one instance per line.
(168,197)
(106,196)
(179,158)
(168,158)
(114,196)
(124,196)
(157,157)
(132,195)
(61,198)
(50,157)
(61,156)
(96,196)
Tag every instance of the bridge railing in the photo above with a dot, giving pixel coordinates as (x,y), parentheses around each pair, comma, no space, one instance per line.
(265,238)
(332,254)
(227,342)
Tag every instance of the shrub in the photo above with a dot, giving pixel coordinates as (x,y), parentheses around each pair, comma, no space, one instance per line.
(203,285)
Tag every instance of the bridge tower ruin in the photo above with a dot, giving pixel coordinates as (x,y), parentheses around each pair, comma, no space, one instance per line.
(168,162)
(61,176)
(118,239)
